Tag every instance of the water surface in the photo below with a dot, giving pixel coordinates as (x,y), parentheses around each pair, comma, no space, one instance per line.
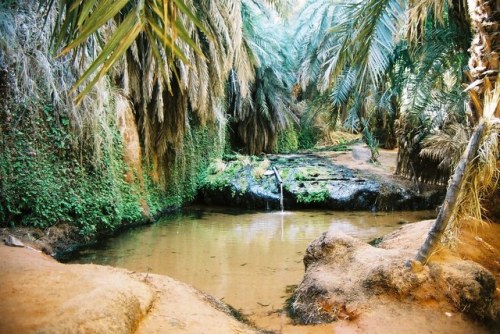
(245,258)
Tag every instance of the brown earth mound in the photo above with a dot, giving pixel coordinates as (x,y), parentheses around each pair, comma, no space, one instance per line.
(40,295)
(347,279)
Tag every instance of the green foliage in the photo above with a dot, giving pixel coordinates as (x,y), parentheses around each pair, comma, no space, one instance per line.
(288,141)
(188,171)
(43,182)
(313,196)
(263,108)
(308,136)
(307,173)
(222,178)
(370,141)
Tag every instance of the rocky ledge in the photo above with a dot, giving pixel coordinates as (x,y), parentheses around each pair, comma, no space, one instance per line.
(40,295)
(312,181)
(347,279)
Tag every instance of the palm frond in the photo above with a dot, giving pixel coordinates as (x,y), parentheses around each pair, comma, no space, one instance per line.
(343,87)
(446,146)
(164,23)
(264,108)
(374,28)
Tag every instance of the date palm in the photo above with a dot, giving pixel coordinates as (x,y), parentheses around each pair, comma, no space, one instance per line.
(347,48)
(356,52)
(172,58)
(476,173)
(262,108)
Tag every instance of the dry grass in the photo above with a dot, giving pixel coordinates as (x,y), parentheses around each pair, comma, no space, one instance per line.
(334,137)
(446,146)
(218,166)
(261,168)
(482,175)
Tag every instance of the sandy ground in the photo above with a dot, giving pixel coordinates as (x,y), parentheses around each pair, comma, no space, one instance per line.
(372,289)
(359,158)
(40,295)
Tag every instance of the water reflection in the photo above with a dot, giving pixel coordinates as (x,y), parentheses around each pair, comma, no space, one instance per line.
(246,258)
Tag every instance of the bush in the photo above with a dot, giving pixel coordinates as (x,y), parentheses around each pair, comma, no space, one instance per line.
(288,141)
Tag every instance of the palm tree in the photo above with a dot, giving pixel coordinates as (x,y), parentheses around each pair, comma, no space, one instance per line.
(171,58)
(476,173)
(262,109)
(347,52)
(363,50)
(431,99)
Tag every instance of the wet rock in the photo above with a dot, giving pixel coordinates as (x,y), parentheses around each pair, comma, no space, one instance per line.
(314,182)
(13,241)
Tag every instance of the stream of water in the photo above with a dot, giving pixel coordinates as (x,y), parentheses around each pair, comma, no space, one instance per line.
(247,259)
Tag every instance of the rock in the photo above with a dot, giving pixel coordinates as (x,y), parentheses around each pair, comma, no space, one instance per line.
(13,241)
(345,276)
(361,153)
(315,182)
(40,295)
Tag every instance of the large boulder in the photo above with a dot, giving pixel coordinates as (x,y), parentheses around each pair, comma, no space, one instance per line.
(311,181)
(344,277)
(40,295)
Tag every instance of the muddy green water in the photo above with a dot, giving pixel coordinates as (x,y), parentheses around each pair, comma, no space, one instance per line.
(247,259)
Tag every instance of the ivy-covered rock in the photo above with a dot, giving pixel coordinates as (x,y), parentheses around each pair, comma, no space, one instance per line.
(310,181)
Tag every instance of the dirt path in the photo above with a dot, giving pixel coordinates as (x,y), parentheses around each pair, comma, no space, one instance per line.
(358,158)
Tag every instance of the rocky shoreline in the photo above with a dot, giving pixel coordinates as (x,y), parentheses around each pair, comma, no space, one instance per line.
(381,288)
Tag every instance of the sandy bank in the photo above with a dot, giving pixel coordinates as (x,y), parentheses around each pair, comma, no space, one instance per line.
(40,295)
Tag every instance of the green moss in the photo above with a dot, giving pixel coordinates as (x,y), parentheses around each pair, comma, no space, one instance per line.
(307,173)
(188,171)
(45,181)
(313,196)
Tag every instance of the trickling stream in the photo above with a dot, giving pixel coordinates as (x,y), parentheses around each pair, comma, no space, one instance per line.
(247,259)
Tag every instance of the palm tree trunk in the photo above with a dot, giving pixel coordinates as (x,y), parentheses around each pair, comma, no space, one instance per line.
(484,50)
(447,210)
(484,68)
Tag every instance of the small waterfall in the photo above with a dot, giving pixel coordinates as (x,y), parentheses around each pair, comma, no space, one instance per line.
(280,182)
(281,198)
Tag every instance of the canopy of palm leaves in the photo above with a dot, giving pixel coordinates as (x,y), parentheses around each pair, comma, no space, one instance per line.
(171,58)
(346,48)
(360,54)
(266,107)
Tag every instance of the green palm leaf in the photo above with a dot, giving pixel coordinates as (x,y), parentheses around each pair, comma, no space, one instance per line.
(159,20)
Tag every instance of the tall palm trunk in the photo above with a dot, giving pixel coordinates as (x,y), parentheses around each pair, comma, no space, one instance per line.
(484,50)
(484,68)
(447,211)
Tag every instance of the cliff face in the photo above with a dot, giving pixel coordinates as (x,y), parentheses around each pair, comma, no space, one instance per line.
(78,164)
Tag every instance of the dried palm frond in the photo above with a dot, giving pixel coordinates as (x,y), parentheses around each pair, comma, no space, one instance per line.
(482,176)
(437,11)
(24,45)
(446,146)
